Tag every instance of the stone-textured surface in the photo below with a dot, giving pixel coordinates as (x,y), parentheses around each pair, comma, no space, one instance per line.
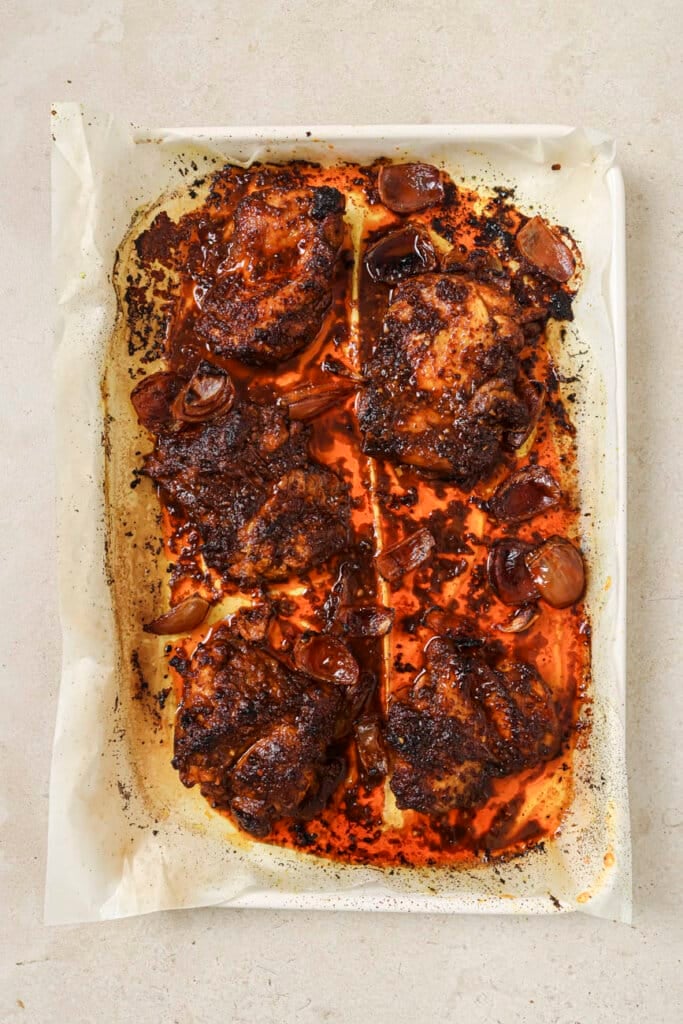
(616,66)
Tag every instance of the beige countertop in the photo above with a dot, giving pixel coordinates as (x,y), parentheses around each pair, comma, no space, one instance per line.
(616,67)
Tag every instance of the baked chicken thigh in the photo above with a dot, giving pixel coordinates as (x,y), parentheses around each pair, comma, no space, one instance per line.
(256,735)
(463,723)
(264,508)
(274,288)
(444,390)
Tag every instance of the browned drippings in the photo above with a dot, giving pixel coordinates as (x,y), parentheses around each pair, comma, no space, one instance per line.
(388,502)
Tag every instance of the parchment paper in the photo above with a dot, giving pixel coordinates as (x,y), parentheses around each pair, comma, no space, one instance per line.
(119,847)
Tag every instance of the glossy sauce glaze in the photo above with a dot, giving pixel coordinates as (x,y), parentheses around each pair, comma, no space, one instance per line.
(450,589)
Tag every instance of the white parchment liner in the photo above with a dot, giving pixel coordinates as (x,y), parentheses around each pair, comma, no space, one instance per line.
(114,850)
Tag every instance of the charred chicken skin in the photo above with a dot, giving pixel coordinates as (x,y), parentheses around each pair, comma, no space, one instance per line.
(274,288)
(444,390)
(264,508)
(256,736)
(463,723)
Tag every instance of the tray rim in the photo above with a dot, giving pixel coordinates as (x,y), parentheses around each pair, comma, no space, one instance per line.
(412,132)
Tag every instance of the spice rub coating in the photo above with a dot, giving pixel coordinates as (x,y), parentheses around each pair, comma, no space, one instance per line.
(444,389)
(274,287)
(264,507)
(256,736)
(466,721)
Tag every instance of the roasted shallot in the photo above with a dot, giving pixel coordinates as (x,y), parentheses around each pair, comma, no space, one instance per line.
(524,494)
(182,618)
(543,247)
(326,658)
(394,562)
(556,568)
(400,254)
(405,188)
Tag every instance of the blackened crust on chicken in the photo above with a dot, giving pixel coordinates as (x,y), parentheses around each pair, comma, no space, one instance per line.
(275,286)
(463,723)
(255,736)
(444,390)
(326,202)
(264,508)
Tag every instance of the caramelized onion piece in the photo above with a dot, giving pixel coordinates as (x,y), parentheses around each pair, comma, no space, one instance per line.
(508,574)
(545,249)
(366,620)
(368,735)
(208,393)
(311,400)
(402,558)
(437,620)
(524,494)
(326,658)
(400,254)
(520,620)
(152,399)
(337,368)
(496,401)
(556,568)
(532,393)
(482,265)
(405,188)
(184,617)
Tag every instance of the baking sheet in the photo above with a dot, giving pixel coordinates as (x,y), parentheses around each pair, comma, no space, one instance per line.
(121,845)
